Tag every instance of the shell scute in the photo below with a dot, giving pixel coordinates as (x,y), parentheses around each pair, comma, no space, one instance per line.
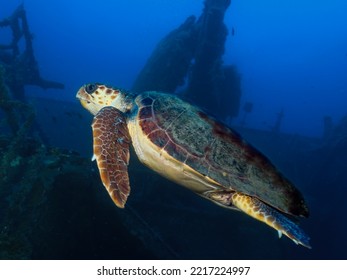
(159,138)
(147,101)
(145,113)
(176,151)
(148,126)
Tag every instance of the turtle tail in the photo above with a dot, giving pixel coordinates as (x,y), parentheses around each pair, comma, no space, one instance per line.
(273,218)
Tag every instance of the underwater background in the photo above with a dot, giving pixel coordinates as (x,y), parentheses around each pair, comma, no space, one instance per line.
(275,71)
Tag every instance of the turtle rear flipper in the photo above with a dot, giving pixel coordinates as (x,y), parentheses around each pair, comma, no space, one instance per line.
(262,212)
(111,142)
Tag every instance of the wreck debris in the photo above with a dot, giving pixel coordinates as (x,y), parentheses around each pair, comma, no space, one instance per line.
(193,53)
(21,67)
(167,67)
(207,69)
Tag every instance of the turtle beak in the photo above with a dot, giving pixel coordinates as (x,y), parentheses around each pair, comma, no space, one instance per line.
(80,95)
(90,106)
(84,103)
(84,99)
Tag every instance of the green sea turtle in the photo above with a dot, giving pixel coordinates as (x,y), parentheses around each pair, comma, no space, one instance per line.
(185,145)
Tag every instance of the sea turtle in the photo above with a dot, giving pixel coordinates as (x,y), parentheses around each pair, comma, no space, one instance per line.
(184,144)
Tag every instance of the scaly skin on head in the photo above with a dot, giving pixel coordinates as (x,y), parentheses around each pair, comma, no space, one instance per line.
(94,97)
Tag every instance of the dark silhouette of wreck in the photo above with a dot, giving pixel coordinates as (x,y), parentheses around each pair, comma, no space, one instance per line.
(192,55)
(21,68)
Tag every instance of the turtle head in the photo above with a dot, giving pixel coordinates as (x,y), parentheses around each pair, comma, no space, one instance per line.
(94,97)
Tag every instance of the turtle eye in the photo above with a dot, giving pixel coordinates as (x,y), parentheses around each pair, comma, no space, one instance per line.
(90,88)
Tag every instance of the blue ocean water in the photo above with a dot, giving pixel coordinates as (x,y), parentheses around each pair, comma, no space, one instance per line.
(291,57)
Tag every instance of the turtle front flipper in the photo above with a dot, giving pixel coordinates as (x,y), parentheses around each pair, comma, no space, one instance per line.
(111,151)
(262,212)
